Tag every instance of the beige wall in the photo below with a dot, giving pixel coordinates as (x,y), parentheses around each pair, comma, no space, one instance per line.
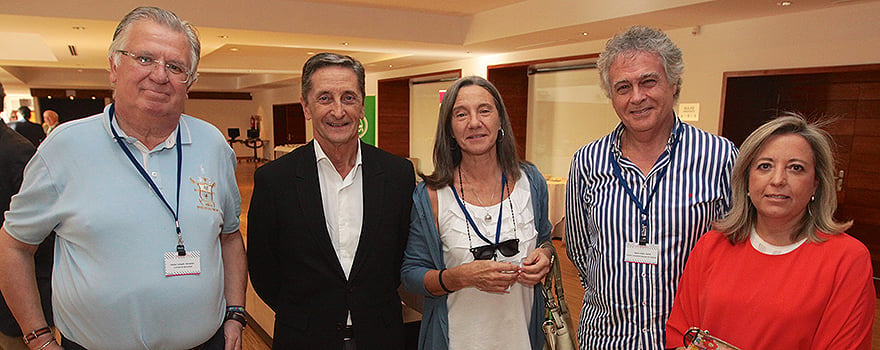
(566,111)
(424,110)
(844,35)
(225,114)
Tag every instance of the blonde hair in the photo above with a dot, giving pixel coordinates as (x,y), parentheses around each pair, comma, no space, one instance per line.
(737,225)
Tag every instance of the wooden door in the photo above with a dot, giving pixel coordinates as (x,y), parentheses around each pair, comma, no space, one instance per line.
(393,116)
(513,84)
(289,124)
(849,95)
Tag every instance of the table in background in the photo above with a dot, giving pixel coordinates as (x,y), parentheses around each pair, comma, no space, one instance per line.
(281,150)
(556,204)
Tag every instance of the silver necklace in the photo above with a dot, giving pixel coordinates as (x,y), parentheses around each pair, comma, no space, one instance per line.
(488,216)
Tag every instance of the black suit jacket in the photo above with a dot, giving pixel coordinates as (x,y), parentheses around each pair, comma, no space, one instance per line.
(15,153)
(294,267)
(31,131)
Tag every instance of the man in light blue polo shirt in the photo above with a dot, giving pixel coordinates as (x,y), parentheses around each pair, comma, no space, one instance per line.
(144,201)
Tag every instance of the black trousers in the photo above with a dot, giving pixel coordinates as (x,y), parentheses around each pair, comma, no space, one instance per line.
(217,342)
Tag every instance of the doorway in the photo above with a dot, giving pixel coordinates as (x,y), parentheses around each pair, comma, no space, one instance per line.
(850,96)
(289,124)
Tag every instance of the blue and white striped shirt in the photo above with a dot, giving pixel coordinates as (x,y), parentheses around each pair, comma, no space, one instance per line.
(626,304)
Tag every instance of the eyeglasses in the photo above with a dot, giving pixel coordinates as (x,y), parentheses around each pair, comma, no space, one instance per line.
(507,248)
(177,71)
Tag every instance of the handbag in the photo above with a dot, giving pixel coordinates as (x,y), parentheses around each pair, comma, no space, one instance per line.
(558,331)
(699,339)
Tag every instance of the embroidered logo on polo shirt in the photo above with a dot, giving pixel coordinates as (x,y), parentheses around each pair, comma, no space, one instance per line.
(205,188)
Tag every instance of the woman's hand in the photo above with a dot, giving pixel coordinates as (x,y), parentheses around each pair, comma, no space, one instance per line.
(535,267)
(485,275)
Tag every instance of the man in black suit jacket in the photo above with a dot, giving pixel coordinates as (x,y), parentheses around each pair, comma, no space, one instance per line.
(328,223)
(31,131)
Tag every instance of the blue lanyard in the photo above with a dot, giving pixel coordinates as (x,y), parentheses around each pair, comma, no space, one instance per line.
(643,208)
(471,220)
(119,140)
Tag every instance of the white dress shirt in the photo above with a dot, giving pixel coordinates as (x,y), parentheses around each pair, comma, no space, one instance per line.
(343,200)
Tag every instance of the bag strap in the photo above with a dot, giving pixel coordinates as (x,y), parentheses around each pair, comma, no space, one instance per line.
(557,284)
(552,277)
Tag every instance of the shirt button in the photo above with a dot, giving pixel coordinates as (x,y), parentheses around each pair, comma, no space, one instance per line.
(155,174)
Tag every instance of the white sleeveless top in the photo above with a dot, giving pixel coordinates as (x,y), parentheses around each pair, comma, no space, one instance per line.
(477,319)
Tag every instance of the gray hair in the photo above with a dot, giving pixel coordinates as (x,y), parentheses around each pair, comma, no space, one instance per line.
(447,154)
(641,39)
(165,18)
(326,59)
(738,224)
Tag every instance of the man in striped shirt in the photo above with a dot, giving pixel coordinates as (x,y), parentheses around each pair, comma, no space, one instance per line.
(639,198)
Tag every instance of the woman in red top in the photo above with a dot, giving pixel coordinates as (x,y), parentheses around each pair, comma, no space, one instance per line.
(779,272)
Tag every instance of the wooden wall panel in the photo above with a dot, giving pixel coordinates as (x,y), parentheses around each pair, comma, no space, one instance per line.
(513,84)
(393,116)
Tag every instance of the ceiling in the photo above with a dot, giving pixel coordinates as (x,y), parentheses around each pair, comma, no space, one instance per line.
(260,44)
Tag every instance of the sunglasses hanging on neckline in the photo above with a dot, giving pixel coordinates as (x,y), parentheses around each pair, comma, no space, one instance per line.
(507,248)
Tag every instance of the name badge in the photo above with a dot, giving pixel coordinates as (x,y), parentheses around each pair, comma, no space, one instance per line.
(642,254)
(176,265)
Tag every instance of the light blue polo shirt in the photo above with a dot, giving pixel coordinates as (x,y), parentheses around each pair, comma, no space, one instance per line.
(109,285)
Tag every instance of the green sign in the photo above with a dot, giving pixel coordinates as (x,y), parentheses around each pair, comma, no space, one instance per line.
(367,129)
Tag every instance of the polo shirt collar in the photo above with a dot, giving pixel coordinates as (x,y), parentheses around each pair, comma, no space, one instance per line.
(182,127)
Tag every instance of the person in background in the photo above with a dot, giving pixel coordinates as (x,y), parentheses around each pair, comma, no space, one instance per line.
(31,131)
(638,199)
(779,272)
(148,251)
(328,222)
(479,235)
(50,121)
(15,152)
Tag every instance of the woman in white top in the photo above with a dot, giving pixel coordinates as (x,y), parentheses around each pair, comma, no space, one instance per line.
(479,236)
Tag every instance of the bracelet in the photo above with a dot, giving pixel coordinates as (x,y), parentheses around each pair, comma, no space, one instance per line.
(236,316)
(235,308)
(28,338)
(47,344)
(440,278)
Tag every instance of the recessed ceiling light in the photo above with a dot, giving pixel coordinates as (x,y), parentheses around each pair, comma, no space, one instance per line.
(390,66)
(93,97)
(784,3)
(344,43)
(585,33)
(234,49)
(78,28)
(49,97)
(223,36)
(70,97)
(310,53)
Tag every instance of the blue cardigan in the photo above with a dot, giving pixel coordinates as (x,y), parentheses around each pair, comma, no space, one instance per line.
(424,253)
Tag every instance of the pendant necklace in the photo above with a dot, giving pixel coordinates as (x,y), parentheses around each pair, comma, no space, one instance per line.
(488,216)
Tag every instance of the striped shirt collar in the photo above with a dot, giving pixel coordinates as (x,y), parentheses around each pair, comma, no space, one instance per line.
(617,135)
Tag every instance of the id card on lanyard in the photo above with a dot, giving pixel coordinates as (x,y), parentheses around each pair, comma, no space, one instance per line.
(177,263)
(643,252)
